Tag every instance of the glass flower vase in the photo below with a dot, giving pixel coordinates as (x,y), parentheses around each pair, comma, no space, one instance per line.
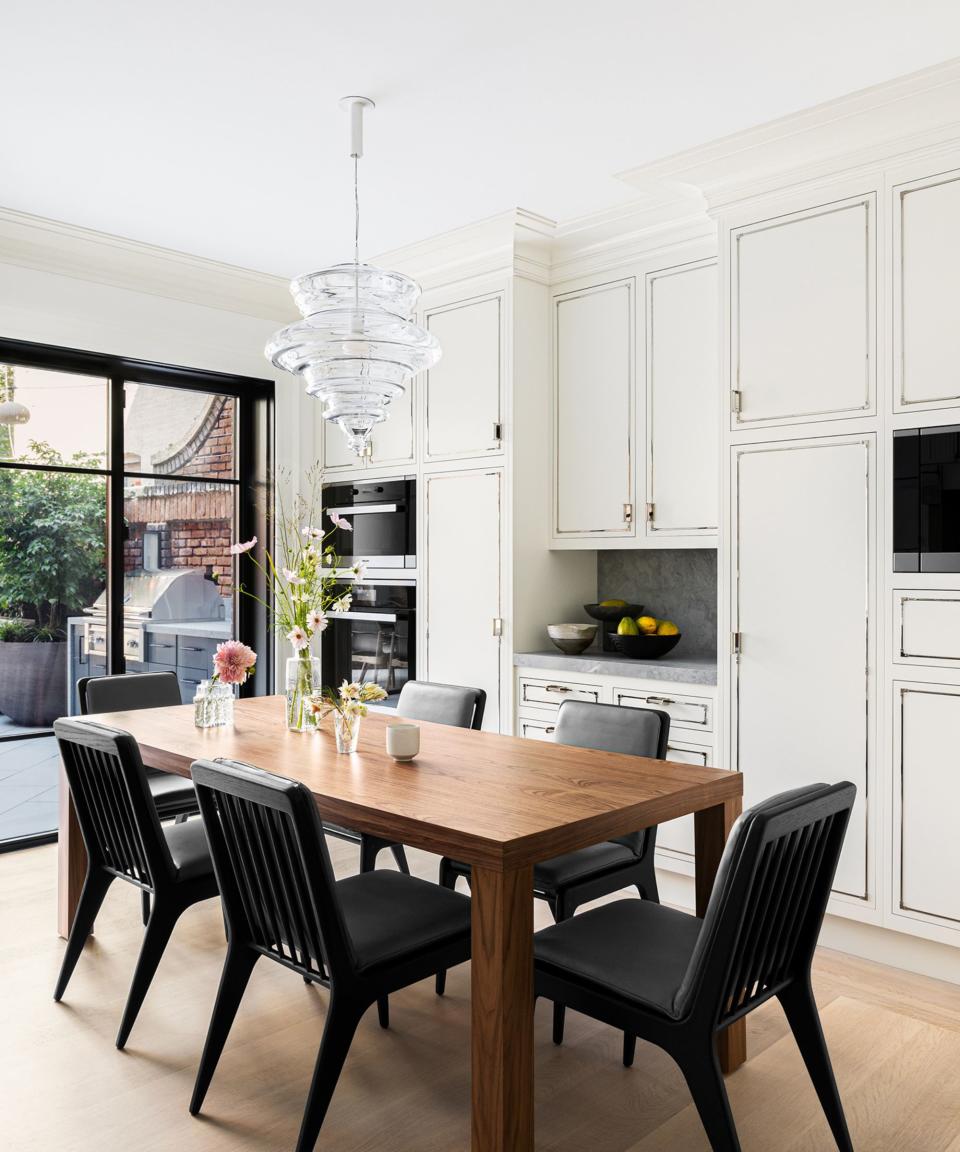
(347,731)
(303,681)
(213,704)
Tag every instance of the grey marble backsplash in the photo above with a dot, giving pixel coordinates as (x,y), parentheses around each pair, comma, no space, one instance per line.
(673,584)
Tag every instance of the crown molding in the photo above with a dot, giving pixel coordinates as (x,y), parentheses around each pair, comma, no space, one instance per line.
(83,254)
(855,132)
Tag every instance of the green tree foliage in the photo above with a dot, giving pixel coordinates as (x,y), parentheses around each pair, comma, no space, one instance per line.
(52,539)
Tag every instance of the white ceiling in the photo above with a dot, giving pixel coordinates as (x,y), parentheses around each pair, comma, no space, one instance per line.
(212,126)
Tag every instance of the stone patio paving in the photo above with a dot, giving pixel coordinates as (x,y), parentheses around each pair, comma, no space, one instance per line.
(28,783)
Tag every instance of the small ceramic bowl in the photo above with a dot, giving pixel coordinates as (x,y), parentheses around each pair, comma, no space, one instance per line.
(572,638)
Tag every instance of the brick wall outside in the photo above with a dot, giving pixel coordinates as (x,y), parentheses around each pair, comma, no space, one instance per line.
(194,520)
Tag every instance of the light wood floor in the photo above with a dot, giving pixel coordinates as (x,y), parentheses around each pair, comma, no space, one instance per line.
(63,1085)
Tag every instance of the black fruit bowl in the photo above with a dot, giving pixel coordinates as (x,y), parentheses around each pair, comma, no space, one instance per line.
(617,614)
(646,647)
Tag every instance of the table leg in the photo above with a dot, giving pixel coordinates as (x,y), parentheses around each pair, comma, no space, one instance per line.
(712,828)
(71,860)
(502,979)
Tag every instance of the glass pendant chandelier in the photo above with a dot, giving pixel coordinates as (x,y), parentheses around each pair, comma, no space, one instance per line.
(356,345)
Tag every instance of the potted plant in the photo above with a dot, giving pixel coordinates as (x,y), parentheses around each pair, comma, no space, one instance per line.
(52,565)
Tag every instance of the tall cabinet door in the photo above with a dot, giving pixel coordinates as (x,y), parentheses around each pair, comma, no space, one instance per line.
(683,436)
(803,595)
(462,513)
(802,315)
(593,412)
(464,392)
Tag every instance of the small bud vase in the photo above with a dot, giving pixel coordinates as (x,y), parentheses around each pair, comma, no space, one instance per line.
(303,680)
(347,731)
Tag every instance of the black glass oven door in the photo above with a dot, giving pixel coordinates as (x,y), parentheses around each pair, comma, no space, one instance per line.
(940,499)
(906,500)
(370,648)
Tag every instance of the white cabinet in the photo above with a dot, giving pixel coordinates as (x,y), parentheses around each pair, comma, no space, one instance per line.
(464,392)
(682,401)
(802,601)
(390,443)
(802,315)
(926,802)
(594,412)
(462,601)
(926,290)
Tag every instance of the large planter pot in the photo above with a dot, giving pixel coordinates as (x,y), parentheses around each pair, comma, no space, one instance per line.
(33,682)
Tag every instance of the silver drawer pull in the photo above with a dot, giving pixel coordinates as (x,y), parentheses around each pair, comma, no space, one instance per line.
(660,700)
(550,730)
(558,688)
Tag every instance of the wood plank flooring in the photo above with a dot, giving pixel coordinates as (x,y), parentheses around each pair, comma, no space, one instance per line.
(64,1086)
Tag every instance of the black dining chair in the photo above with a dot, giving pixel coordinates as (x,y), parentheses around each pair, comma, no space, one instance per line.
(575,878)
(677,981)
(436,704)
(173,795)
(363,937)
(125,840)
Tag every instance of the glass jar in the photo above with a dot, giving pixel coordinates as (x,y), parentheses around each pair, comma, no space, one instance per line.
(213,704)
(346,728)
(302,681)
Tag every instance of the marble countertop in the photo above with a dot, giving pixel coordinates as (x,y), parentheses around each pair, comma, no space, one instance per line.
(679,669)
(214,629)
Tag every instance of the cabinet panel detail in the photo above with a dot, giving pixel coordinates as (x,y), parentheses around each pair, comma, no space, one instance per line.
(928,625)
(929,799)
(926,290)
(464,390)
(684,711)
(682,411)
(463,601)
(803,326)
(594,411)
(803,589)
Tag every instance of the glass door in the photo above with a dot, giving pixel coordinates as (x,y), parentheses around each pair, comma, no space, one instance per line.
(53,567)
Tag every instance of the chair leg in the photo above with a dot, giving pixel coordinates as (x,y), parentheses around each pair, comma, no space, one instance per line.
(629,1049)
(163,917)
(95,887)
(701,1070)
(401,858)
(559,1019)
(447,879)
(647,887)
(145,906)
(233,983)
(383,1011)
(800,1008)
(342,1020)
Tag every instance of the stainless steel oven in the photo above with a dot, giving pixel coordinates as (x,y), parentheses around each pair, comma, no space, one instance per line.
(383,517)
(376,641)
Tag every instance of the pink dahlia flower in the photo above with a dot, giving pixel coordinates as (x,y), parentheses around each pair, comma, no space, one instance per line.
(234,662)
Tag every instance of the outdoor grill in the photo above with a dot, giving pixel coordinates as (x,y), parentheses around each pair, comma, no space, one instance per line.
(174,594)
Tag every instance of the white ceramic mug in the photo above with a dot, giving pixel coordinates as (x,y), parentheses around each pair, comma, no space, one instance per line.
(403,741)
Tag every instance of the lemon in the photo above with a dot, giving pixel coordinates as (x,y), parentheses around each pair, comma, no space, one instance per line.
(667,628)
(647,625)
(613,604)
(627,627)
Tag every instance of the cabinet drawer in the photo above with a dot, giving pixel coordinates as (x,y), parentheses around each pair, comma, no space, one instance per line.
(189,682)
(536,730)
(196,652)
(161,649)
(684,711)
(550,694)
(688,754)
(929,625)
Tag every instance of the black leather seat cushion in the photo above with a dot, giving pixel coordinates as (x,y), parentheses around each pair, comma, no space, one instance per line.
(634,949)
(389,915)
(585,862)
(188,849)
(172,794)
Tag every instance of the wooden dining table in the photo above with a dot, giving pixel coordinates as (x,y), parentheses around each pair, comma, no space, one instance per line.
(499,803)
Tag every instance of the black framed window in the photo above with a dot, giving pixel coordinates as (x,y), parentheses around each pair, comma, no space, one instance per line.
(123,485)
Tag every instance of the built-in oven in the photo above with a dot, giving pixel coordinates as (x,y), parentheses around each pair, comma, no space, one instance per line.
(926,499)
(382,515)
(376,641)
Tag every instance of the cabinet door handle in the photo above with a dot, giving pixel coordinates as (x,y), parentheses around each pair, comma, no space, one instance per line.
(187,648)
(659,700)
(549,731)
(557,688)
